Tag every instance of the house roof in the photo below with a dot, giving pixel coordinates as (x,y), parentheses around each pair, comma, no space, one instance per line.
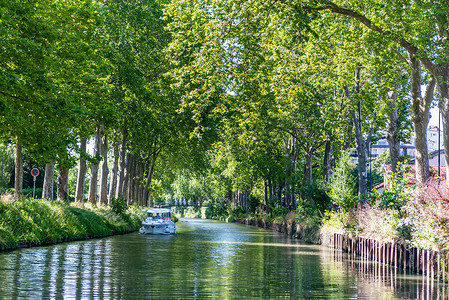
(432,128)
(432,154)
(379,185)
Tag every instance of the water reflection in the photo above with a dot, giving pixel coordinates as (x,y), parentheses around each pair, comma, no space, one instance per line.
(205,260)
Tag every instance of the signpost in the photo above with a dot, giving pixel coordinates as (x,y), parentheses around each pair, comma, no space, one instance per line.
(34,173)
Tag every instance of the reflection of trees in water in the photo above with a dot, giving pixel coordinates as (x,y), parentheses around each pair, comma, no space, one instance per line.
(213,260)
(378,281)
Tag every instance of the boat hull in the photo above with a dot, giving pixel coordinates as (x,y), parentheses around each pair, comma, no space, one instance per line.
(158,229)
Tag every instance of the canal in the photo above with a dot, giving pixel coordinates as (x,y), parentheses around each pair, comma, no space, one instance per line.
(205,260)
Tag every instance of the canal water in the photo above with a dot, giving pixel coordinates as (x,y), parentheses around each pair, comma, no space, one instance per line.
(205,260)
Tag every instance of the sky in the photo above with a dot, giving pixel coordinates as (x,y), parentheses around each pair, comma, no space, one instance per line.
(434,117)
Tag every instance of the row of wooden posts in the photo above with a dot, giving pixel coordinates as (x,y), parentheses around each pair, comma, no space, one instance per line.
(427,262)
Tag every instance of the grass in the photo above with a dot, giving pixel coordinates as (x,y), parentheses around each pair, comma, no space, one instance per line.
(33,222)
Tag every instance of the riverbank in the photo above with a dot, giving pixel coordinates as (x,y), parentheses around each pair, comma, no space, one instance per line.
(378,245)
(31,222)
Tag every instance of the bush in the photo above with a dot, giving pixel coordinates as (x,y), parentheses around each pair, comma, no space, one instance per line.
(343,191)
(238,213)
(216,211)
(278,211)
(28,192)
(398,193)
(317,193)
(118,205)
(30,221)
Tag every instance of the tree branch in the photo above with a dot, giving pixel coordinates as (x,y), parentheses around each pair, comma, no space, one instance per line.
(334,8)
(17,98)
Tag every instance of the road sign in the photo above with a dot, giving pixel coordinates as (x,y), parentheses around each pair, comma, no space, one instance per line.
(34,172)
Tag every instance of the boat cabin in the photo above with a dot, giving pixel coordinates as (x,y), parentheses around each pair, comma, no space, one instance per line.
(159,213)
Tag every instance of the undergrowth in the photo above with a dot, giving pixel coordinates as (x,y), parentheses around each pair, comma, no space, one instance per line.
(31,222)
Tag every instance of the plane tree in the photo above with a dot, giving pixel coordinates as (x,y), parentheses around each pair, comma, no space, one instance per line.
(48,67)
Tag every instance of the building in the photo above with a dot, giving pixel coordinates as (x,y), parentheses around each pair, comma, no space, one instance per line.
(407,149)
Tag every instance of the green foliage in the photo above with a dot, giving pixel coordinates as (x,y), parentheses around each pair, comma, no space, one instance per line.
(373,177)
(343,191)
(188,212)
(37,221)
(397,193)
(380,160)
(239,213)
(28,192)
(216,211)
(118,205)
(304,208)
(277,211)
(317,192)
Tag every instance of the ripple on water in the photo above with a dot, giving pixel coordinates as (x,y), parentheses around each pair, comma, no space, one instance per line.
(205,260)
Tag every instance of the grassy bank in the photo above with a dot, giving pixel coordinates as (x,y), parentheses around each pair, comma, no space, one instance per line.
(32,222)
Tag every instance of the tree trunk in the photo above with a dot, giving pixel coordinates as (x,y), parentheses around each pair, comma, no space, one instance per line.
(104,169)
(150,175)
(307,178)
(141,185)
(63,184)
(82,169)
(135,181)
(94,170)
(270,189)
(133,187)
(122,164)
(308,175)
(47,190)
(443,90)
(265,198)
(362,162)
(393,130)
(124,185)
(114,174)
(361,143)
(130,179)
(18,178)
(327,159)
(420,109)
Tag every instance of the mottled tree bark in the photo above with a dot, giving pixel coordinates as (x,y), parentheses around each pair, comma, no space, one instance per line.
(18,178)
(393,130)
(122,165)
(63,184)
(94,170)
(129,179)
(82,169)
(327,159)
(155,154)
(443,91)
(362,144)
(104,169)
(420,118)
(114,174)
(124,190)
(47,190)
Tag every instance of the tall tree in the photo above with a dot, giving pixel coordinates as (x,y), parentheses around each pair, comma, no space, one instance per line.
(47,190)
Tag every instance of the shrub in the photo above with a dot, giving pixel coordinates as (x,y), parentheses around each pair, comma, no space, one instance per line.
(38,221)
(317,192)
(398,193)
(278,211)
(343,191)
(215,211)
(118,205)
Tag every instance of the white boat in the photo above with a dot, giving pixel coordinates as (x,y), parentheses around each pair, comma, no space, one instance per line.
(158,221)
